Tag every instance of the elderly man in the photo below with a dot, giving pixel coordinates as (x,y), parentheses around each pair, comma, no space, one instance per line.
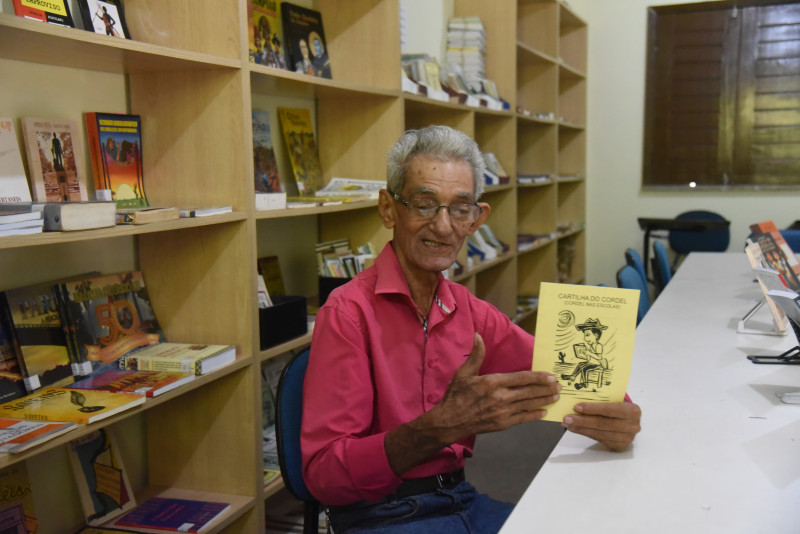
(407,367)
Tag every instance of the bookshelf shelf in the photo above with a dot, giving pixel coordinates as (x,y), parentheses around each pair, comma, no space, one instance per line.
(187,74)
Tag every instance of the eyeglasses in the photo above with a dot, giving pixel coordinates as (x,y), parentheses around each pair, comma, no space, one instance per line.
(425,209)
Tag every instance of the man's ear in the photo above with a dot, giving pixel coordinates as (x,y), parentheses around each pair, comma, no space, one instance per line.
(486,209)
(387,209)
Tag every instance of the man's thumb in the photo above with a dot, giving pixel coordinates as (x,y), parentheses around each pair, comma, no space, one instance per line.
(475,357)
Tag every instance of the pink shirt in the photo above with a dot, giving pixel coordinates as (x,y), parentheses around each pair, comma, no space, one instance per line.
(374,367)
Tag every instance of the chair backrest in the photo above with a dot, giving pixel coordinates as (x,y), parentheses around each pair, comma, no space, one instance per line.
(629,278)
(661,267)
(633,259)
(288,416)
(792,238)
(686,241)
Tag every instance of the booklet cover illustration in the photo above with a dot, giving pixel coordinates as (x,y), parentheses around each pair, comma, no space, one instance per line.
(584,336)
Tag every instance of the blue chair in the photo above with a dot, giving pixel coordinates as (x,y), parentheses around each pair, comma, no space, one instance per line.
(682,242)
(633,259)
(792,238)
(288,415)
(662,270)
(629,278)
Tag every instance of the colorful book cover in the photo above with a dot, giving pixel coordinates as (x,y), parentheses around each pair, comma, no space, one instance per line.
(106,17)
(777,254)
(112,315)
(52,11)
(148,383)
(264,161)
(101,477)
(306,48)
(298,136)
(12,385)
(55,159)
(69,405)
(166,513)
(15,489)
(180,357)
(17,435)
(40,335)
(115,146)
(13,182)
(585,337)
(266,41)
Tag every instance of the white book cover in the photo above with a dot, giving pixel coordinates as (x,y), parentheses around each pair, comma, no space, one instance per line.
(14,187)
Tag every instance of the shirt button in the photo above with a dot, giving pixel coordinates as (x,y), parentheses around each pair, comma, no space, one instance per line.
(430,399)
(430,364)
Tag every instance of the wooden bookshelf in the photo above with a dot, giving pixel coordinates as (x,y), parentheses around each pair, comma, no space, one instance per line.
(187,74)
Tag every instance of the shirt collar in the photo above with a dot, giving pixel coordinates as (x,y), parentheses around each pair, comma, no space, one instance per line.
(392,280)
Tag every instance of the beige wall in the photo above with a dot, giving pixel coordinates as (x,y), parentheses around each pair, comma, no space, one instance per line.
(617,39)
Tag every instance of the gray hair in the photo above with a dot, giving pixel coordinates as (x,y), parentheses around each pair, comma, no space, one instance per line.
(440,142)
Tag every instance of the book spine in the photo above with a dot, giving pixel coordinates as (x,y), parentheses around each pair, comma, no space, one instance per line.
(96,155)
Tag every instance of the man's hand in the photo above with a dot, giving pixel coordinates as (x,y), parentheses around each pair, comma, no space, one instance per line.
(472,404)
(612,424)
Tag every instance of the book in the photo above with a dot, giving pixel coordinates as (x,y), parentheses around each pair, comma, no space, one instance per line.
(55,159)
(101,477)
(12,384)
(265,33)
(789,302)
(146,215)
(271,273)
(194,358)
(38,332)
(106,17)
(69,405)
(31,215)
(351,187)
(52,11)
(264,161)
(14,189)
(17,435)
(110,315)
(12,519)
(298,136)
(72,216)
(168,513)
(777,254)
(115,147)
(768,279)
(306,48)
(16,489)
(585,337)
(31,223)
(147,383)
(203,211)
(22,231)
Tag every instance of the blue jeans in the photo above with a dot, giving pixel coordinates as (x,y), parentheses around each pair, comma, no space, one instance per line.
(461,510)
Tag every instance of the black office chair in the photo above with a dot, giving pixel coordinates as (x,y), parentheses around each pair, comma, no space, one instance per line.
(682,242)
(629,278)
(289,414)
(662,271)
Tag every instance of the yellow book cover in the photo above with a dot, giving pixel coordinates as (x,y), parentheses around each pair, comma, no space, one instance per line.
(194,358)
(71,405)
(585,336)
(16,491)
(298,136)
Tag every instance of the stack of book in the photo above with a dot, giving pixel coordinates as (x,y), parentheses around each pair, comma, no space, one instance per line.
(495,174)
(22,222)
(484,245)
(336,259)
(465,55)
(426,72)
(529,241)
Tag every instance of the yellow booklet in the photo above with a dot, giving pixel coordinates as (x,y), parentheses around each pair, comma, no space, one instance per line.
(585,335)
(71,405)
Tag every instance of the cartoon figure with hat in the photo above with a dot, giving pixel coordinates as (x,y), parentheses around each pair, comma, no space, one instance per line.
(590,352)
